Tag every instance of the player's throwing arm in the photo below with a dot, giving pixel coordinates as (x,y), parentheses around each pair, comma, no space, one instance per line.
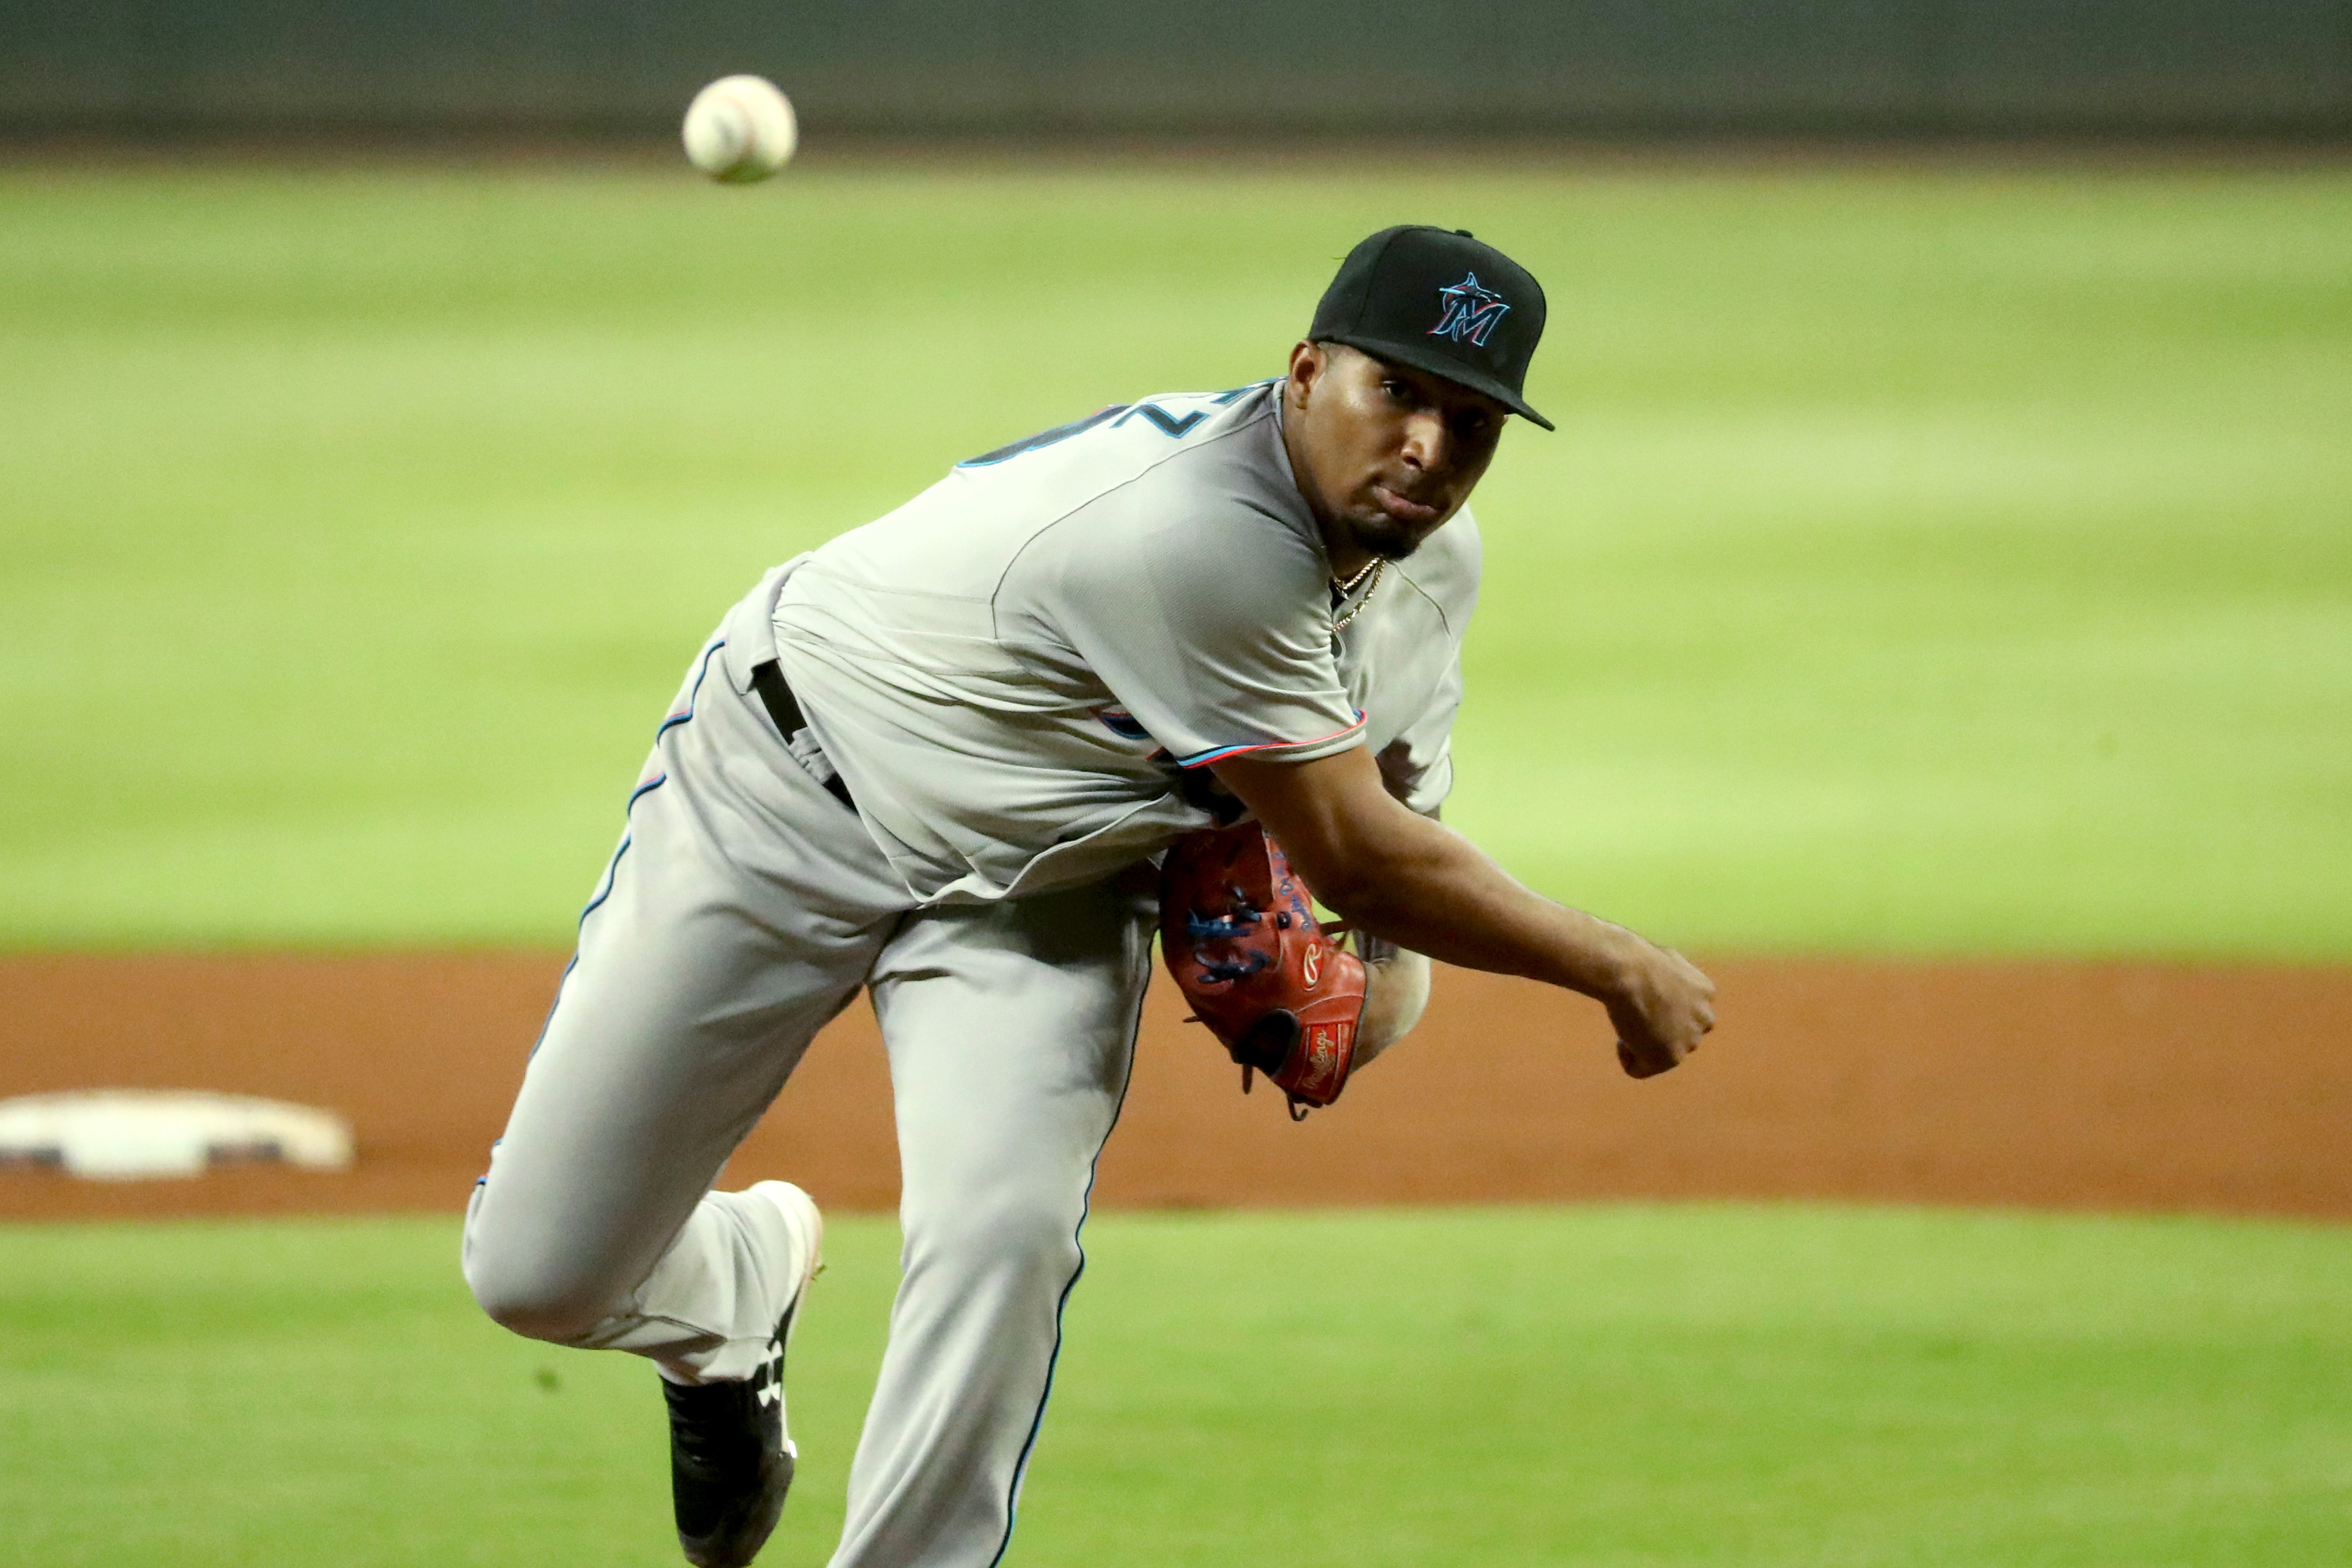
(1427,888)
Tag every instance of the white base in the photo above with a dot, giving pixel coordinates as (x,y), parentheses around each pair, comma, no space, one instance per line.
(129,1135)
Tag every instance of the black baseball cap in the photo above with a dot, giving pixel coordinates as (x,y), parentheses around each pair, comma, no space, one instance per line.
(1442,302)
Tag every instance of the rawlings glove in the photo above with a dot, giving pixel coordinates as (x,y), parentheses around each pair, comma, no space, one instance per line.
(1238,931)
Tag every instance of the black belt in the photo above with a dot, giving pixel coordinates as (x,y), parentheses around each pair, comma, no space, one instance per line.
(768,680)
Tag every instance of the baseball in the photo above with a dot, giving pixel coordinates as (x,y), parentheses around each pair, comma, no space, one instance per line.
(740,129)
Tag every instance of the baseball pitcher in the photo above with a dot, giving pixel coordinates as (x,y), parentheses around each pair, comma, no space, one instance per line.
(947,759)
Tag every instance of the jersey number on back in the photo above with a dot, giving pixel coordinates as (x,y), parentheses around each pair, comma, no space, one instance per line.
(1176,425)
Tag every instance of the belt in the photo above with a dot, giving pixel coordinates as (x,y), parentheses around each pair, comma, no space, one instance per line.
(768,680)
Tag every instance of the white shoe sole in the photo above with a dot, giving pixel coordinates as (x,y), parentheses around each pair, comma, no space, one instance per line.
(807,1223)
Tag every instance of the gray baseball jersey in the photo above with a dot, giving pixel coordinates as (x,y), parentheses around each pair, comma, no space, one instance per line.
(1012,670)
(1022,675)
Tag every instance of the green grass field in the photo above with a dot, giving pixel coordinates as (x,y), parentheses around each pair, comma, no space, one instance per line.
(1931,560)
(1626,1387)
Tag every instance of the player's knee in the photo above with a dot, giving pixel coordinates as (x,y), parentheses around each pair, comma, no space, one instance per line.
(532,1298)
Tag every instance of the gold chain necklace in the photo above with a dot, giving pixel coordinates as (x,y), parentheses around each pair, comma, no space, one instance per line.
(1372,569)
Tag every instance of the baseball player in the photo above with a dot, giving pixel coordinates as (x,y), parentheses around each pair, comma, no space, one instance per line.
(936,759)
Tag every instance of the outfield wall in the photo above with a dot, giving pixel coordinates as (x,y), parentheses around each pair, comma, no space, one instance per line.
(1377,67)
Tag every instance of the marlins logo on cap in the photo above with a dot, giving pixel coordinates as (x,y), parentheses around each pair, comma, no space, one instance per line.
(1470,311)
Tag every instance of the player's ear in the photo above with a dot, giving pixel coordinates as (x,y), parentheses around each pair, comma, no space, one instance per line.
(1307,362)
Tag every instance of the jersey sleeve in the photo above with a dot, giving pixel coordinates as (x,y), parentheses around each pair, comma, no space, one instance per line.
(1211,629)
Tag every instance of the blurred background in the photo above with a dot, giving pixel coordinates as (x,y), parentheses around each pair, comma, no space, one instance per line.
(1934,613)
(1223,68)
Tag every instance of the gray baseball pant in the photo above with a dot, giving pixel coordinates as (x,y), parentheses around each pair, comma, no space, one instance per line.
(744,908)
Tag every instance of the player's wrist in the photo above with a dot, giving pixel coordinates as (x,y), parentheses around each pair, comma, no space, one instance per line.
(1604,961)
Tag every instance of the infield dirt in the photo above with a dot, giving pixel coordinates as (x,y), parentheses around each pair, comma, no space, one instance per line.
(2044,1085)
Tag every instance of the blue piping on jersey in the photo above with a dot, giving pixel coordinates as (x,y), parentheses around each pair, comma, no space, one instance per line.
(603,892)
(682,714)
(1078,1235)
(1218,754)
(612,867)
(1172,425)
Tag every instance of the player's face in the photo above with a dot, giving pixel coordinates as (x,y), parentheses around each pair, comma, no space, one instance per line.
(1384,453)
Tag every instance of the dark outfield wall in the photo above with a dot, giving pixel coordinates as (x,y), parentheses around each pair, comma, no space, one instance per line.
(1192,67)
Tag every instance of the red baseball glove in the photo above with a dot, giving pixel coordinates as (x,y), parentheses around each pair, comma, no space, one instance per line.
(1238,931)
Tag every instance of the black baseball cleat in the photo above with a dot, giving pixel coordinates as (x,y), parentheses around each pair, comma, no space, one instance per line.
(730,1455)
